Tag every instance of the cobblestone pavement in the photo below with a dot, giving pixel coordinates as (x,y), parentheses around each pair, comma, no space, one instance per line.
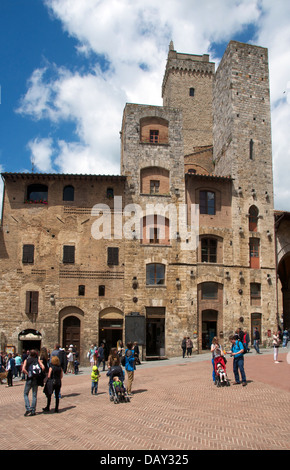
(175,406)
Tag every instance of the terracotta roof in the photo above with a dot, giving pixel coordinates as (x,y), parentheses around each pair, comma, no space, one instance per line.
(59,176)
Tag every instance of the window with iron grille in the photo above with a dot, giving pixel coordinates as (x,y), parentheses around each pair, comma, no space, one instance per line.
(154,136)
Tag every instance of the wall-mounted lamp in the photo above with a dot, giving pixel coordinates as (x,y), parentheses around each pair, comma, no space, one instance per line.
(254,193)
(241,231)
(192,275)
(135,283)
(178,283)
(269,279)
(227,275)
(52,299)
(241,276)
(269,235)
(240,191)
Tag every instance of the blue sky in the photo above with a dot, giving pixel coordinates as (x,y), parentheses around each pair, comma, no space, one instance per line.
(68,67)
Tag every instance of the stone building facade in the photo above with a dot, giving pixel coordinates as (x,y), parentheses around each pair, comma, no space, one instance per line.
(182,243)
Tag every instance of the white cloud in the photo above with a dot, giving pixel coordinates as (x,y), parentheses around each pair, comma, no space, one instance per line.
(41,153)
(133,36)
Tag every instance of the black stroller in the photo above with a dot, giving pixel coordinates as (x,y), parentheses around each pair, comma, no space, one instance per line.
(117,394)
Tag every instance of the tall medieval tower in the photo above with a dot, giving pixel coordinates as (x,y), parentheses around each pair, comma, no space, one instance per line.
(187,85)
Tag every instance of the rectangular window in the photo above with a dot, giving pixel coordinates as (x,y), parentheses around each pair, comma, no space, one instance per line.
(207,202)
(154,137)
(69,254)
(113,256)
(101,291)
(254,253)
(208,250)
(209,291)
(154,235)
(155,274)
(28,254)
(154,186)
(31,302)
(255,294)
(82,290)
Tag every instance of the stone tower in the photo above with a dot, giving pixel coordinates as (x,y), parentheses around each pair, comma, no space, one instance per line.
(242,149)
(187,85)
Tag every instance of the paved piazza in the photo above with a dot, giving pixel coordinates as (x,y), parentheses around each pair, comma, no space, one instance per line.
(175,407)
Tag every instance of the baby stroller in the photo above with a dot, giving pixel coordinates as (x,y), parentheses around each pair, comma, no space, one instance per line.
(121,394)
(221,378)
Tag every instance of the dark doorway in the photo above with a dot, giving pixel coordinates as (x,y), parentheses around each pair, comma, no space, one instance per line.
(155,331)
(71,332)
(209,327)
(110,331)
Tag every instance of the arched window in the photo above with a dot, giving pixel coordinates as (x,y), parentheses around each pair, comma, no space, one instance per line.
(68,193)
(209,291)
(253,219)
(37,193)
(154,130)
(155,274)
(191,91)
(154,180)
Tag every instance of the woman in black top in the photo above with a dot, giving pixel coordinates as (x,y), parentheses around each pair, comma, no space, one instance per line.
(53,383)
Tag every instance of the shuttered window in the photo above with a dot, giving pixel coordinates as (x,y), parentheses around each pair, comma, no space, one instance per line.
(113,256)
(68,254)
(28,254)
(31,302)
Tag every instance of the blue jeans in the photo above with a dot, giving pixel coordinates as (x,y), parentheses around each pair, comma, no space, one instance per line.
(238,364)
(30,384)
(94,387)
(256,345)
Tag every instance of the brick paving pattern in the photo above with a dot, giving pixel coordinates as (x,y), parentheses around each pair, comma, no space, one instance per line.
(175,406)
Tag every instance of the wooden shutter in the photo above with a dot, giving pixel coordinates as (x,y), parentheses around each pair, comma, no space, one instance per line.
(28,254)
(31,305)
(68,254)
(113,256)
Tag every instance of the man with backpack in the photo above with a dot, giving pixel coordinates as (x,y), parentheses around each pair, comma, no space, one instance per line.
(237,352)
(32,368)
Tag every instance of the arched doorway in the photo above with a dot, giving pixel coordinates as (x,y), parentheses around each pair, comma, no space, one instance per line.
(29,339)
(70,328)
(71,332)
(110,327)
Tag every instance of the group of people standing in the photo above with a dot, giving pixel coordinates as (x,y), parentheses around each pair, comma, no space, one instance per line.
(43,370)
(118,356)
(186,346)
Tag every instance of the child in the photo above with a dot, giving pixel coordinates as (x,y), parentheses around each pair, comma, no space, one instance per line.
(221,373)
(76,366)
(118,384)
(95,375)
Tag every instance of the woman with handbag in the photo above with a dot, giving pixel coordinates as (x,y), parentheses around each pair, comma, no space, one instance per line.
(53,383)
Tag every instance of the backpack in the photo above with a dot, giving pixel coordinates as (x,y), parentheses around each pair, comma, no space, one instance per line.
(34,370)
(243,346)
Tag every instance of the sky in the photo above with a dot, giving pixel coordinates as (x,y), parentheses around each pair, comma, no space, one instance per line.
(68,68)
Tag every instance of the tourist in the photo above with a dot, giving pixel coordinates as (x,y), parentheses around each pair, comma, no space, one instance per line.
(129,366)
(31,382)
(276,343)
(53,383)
(237,352)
